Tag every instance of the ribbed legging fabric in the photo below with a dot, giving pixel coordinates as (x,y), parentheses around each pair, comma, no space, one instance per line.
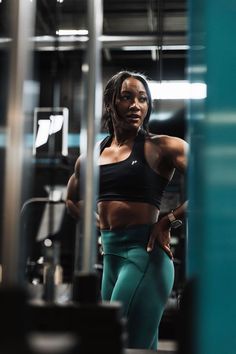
(141,281)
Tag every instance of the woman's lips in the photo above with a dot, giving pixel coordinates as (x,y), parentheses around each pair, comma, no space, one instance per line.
(133,117)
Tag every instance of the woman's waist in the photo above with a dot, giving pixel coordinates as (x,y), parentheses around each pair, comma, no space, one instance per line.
(116,215)
(125,238)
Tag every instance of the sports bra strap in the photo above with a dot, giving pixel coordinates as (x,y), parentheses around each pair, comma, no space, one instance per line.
(104,142)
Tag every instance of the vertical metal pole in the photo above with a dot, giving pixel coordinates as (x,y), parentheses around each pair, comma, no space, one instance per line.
(89,131)
(22,15)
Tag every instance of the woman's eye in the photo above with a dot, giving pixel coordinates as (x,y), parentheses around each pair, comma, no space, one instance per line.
(143,99)
(125,97)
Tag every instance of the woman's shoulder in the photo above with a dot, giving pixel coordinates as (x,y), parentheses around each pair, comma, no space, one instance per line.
(166,141)
(163,139)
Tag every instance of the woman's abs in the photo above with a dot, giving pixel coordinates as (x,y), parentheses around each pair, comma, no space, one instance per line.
(121,214)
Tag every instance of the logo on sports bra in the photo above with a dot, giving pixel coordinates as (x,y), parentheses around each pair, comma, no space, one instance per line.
(134,162)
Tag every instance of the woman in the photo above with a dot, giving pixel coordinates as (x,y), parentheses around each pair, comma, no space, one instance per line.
(135,168)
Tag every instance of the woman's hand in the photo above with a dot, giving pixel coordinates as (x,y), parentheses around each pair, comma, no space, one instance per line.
(161,234)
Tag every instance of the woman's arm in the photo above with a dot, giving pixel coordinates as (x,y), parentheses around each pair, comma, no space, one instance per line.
(176,153)
(73,202)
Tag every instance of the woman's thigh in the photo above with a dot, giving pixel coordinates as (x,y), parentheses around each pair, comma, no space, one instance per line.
(143,286)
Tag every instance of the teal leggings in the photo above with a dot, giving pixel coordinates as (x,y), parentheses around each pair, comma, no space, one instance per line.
(141,281)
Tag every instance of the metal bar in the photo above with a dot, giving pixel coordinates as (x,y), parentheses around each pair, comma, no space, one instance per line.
(90,130)
(22,16)
(108,41)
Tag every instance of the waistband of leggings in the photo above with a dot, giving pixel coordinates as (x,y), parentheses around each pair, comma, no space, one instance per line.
(138,234)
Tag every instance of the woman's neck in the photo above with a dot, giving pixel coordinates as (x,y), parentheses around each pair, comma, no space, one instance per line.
(122,138)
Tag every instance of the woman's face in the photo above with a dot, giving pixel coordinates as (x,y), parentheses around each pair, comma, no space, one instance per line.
(131,105)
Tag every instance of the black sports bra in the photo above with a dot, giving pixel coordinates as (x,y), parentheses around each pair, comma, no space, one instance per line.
(131,179)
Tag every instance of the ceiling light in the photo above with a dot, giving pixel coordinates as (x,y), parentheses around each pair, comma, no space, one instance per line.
(71,32)
(155,47)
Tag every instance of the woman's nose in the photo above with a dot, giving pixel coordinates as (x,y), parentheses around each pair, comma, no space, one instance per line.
(134,104)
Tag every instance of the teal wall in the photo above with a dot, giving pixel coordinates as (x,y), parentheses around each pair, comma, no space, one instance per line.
(211,254)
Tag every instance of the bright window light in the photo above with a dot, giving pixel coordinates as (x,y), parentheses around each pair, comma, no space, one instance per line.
(162,115)
(72,32)
(175,90)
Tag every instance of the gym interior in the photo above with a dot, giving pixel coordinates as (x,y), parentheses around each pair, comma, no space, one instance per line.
(55,57)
